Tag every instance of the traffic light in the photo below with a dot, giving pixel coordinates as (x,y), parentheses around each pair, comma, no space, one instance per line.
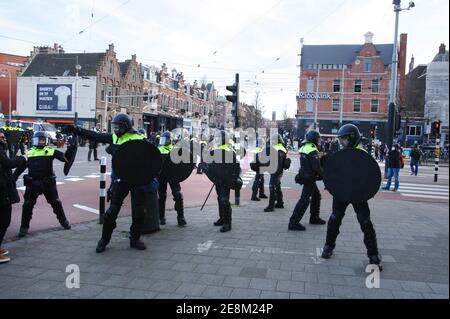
(234,98)
(436,128)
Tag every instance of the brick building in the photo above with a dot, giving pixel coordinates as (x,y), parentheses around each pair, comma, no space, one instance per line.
(10,66)
(342,84)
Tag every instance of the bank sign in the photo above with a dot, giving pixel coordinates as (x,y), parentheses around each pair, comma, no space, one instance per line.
(313,96)
(54,97)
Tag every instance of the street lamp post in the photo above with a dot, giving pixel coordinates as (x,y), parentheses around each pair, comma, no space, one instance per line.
(9,75)
(393,84)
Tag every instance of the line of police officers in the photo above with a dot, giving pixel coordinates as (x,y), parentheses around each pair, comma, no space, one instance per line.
(41,180)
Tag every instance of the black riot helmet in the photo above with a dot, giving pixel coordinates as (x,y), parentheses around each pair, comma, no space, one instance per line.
(312,136)
(349,136)
(7,123)
(40,139)
(122,124)
(165,139)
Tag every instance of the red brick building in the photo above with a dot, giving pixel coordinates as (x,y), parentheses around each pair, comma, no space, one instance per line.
(10,65)
(342,84)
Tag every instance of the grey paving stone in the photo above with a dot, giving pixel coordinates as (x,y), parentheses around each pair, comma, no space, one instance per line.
(112,293)
(217,292)
(435,296)
(206,269)
(324,278)
(184,266)
(278,274)
(303,296)
(291,286)
(319,289)
(116,281)
(348,292)
(139,283)
(406,295)
(236,282)
(242,293)
(439,288)
(190,289)
(263,284)
(304,276)
(412,286)
(274,295)
(254,272)
(165,286)
(375,293)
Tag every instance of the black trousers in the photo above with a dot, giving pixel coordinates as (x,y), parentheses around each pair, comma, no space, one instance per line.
(90,152)
(258,184)
(363,214)
(5,220)
(310,194)
(223,199)
(120,191)
(276,195)
(51,195)
(176,193)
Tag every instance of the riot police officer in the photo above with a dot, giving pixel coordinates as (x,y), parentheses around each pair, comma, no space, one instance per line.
(223,188)
(258,184)
(276,195)
(41,179)
(350,137)
(310,172)
(165,146)
(123,133)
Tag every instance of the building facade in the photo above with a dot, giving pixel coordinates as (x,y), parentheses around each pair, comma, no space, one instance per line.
(437,86)
(342,84)
(10,66)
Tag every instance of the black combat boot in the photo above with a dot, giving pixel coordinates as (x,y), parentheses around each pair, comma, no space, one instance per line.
(66,225)
(101,246)
(296,226)
(271,206)
(255,197)
(137,244)
(280,203)
(162,212)
(314,219)
(226,227)
(376,260)
(219,222)
(180,218)
(179,207)
(23,232)
(327,252)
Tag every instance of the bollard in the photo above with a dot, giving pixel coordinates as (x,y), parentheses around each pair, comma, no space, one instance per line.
(237,146)
(436,159)
(102,197)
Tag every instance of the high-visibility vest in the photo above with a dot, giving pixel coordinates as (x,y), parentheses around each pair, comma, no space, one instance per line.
(129,136)
(39,152)
(308,148)
(166,149)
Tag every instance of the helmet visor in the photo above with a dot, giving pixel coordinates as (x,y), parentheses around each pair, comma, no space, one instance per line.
(40,141)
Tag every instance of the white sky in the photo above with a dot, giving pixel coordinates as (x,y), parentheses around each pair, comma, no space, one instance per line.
(248,36)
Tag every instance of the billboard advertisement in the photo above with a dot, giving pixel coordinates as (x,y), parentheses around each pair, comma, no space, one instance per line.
(54,97)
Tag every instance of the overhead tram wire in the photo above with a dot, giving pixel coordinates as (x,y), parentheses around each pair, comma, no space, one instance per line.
(96,22)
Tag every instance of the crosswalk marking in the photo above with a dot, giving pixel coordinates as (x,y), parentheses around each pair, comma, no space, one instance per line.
(88,209)
(423,191)
(420,188)
(423,185)
(425,196)
(92,176)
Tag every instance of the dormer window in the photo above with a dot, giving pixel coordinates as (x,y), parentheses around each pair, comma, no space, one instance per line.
(367,65)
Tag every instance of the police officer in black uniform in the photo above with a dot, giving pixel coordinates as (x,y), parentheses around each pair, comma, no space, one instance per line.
(350,137)
(276,195)
(123,133)
(258,184)
(310,172)
(41,179)
(223,189)
(165,146)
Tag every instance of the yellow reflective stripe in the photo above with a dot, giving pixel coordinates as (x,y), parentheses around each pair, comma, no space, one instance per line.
(308,148)
(36,152)
(280,147)
(130,136)
(359,147)
(166,149)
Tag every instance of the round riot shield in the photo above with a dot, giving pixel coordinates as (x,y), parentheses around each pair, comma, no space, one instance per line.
(224,169)
(352,176)
(181,169)
(137,162)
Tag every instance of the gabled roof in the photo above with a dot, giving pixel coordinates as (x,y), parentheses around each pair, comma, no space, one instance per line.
(64,64)
(341,54)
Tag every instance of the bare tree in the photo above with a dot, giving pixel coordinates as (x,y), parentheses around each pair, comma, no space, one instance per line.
(259,109)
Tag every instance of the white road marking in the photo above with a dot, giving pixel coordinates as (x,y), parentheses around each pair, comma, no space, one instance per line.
(425,196)
(74,179)
(92,176)
(88,209)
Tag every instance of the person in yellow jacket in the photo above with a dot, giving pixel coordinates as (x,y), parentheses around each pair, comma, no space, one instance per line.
(310,172)
(41,179)
(123,133)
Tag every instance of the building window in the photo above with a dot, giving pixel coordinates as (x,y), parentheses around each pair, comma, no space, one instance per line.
(357,105)
(337,85)
(133,76)
(375,86)
(111,67)
(127,98)
(358,85)
(414,130)
(110,94)
(367,65)
(334,128)
(374,106)
(116,99)
(103,93)
(336,105)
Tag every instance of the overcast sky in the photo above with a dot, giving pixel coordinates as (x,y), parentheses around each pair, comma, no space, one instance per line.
(213,39)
